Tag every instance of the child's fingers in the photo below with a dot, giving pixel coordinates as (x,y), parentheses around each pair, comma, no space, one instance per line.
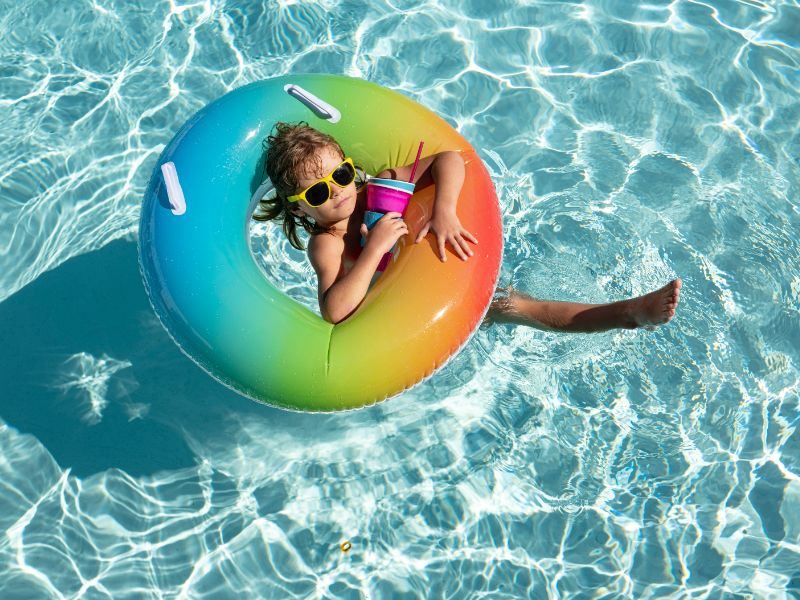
(469,236)
(456,244)
(462,243)
(423,232)
(442,255)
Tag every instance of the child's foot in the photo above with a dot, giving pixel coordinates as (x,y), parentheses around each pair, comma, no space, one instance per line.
(655,308)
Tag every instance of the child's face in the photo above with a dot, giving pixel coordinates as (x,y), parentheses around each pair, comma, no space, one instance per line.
(342,201)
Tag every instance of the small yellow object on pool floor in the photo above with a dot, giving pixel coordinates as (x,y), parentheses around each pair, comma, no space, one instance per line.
(345,546)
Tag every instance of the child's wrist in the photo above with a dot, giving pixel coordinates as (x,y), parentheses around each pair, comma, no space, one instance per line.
(372,253)
(442,210)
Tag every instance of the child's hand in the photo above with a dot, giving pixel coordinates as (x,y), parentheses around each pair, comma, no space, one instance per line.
(448,228)
(385,233)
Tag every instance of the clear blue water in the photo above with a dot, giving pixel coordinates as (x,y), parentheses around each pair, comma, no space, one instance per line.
(629,143)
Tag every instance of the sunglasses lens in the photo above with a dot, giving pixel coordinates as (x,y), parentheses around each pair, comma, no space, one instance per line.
(344,174)
(318,193)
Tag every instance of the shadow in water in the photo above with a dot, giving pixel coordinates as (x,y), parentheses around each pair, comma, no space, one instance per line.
(88,369)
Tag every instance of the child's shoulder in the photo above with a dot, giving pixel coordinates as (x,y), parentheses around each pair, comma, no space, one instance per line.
(323,238)
(323,243)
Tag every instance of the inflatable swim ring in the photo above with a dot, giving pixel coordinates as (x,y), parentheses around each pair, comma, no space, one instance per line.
(217,304)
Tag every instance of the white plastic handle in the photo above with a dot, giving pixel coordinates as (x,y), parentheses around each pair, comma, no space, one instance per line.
(319,107)
(174,189)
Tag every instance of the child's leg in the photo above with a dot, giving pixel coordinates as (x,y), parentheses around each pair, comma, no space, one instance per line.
(654,308)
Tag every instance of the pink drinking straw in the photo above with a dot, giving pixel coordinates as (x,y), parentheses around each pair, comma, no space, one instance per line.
(416,162)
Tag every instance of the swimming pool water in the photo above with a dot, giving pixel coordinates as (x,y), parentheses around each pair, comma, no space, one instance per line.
(629,143)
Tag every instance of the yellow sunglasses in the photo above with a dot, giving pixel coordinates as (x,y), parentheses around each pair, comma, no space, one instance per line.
(319,192)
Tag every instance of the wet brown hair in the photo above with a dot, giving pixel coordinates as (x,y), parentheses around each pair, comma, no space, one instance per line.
(290,150)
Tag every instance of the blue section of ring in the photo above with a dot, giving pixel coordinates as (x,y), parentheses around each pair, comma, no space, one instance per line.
(197,267)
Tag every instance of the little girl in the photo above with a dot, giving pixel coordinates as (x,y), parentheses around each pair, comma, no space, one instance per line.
(315,186)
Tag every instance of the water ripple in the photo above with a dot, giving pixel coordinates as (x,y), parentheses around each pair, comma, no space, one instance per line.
(628,142)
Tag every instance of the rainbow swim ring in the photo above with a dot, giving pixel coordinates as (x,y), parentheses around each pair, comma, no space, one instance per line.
(221,310)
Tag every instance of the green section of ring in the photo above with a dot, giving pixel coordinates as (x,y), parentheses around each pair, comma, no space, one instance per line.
(201,278)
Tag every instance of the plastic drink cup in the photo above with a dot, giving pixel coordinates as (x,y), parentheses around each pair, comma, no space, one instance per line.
(388,195)
(383,196)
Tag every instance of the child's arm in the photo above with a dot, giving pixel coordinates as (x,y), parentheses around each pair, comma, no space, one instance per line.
(446,170)
(340,295)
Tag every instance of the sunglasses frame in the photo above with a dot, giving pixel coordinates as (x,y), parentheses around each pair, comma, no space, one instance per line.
(327,180)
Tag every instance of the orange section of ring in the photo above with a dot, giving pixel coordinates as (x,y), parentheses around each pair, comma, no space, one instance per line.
(422,310)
